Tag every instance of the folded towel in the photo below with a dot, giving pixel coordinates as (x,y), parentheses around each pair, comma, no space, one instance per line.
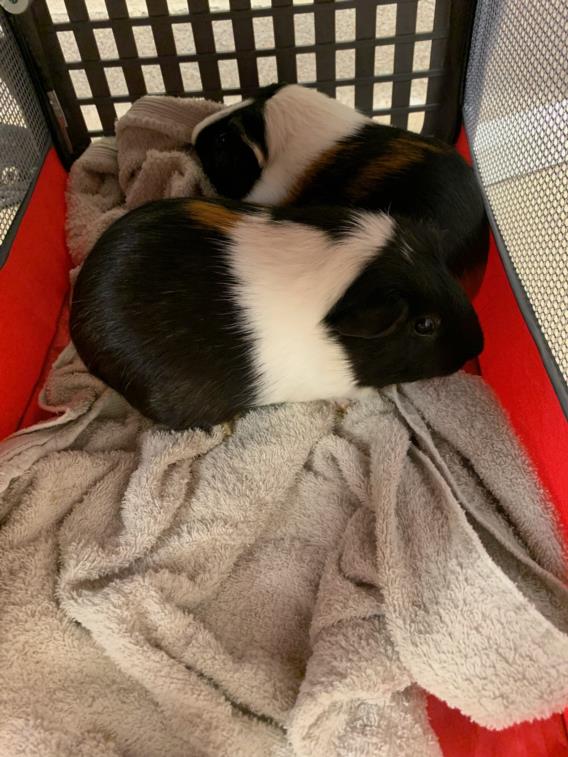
(288,586)
(149,159)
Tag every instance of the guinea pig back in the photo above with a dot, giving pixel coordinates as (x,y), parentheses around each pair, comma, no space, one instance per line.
(298,147)
(197,310)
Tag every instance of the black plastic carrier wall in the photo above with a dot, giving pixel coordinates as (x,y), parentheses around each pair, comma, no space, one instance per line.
(401,62)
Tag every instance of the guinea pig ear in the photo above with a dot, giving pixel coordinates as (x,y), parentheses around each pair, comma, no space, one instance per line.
(370,320)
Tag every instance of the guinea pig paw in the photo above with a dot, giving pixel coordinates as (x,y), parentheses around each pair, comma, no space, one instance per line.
(229,426)
(342,406)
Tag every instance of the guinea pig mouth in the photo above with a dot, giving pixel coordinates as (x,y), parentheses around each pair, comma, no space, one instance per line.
(455,367)
(474,349)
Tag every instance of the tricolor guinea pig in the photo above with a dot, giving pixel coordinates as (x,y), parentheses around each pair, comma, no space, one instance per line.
(197,310)
(295,146)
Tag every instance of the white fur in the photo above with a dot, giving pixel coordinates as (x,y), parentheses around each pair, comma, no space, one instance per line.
(286,296)
(300,124)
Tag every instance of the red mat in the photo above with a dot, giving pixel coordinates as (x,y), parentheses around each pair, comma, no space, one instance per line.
(33,287)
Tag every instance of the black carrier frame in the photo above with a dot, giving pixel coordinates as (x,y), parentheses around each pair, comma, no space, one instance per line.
(372,31)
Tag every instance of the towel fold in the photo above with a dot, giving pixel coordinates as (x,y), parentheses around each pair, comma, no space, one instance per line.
(150,158)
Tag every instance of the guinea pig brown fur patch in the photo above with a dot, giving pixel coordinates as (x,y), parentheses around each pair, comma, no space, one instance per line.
(403,153)
(212,216)
(327,158)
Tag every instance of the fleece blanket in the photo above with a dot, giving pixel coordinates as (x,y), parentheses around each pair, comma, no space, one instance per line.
(287,586)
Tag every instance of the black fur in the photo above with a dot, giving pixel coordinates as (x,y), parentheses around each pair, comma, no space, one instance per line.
(229,162)
(333,220)
(378,313)
(153,315)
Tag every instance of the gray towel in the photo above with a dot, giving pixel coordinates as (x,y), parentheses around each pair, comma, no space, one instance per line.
(287,586)
(150,158)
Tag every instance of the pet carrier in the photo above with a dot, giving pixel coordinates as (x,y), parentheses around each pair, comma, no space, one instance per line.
(69,68)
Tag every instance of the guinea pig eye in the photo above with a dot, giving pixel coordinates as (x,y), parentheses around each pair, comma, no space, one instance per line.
(221,138)
(426,325)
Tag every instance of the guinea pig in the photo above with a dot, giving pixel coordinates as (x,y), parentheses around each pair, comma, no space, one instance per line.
(197,310)
(295,146)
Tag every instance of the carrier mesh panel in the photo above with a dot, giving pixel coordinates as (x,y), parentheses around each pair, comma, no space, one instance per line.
(23,133)
(516,114)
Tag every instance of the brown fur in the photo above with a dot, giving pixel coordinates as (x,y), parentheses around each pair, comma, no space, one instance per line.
(404,152)
(209,215)
(324,160)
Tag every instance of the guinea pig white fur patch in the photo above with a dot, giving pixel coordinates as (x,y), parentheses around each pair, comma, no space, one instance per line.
(300,125)
(286,296)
